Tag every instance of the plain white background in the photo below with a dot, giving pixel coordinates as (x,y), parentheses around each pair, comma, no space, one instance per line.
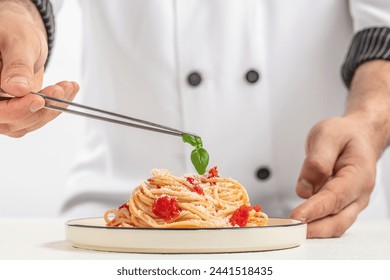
(34,168)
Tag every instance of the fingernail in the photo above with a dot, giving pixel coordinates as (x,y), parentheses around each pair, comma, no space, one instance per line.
(296,217)
(18,80)
(34,107)
(306,183)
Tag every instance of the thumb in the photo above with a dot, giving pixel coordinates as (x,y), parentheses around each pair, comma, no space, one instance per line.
(17,75)
(322,151)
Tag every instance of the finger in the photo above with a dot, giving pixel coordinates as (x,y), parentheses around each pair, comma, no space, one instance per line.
(321,154)
(336,194)
(20,62)
(62,90)
(18,109)
(17,134)
(76,88)
(54,91)
(70,89)
(336,225)
(38,80)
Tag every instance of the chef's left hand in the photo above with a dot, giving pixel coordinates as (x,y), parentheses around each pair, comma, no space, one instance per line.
(337,176)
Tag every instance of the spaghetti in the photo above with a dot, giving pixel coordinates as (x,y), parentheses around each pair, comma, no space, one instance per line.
(196,201)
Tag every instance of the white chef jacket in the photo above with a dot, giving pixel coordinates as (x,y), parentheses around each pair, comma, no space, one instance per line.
(138,57)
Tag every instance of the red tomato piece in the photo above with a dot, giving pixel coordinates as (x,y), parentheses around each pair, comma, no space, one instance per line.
(190,180)
(198,189)
(213,172)
(124,205)
(166,207)
(240,216)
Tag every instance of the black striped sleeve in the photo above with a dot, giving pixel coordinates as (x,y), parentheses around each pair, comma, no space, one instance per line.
(46,11)
(368,44)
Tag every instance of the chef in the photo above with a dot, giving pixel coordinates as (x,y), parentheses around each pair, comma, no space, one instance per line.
(258,80)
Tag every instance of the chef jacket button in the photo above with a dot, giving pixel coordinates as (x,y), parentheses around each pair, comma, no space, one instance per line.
(252,76)
(263,173)
(194,79)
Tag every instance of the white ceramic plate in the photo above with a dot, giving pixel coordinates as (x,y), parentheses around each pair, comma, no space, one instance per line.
(91,233)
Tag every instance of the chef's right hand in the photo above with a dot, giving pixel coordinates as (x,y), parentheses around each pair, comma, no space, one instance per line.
(23,53)
(22,115)
(23,47)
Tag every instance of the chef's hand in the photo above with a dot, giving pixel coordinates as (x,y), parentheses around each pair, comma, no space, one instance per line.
(338,174)
(23,47)
(22,115)
(23,52)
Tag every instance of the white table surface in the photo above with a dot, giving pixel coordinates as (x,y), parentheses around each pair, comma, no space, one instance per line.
(44,239)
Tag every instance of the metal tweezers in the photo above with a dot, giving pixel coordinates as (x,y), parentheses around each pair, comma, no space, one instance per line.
(126,120)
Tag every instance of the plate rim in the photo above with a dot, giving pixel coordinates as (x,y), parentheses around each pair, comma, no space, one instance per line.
(69,224)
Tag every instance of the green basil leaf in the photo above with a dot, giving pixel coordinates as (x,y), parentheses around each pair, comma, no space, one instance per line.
(199,142)
(189,139)
(200,160)
(194,141)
